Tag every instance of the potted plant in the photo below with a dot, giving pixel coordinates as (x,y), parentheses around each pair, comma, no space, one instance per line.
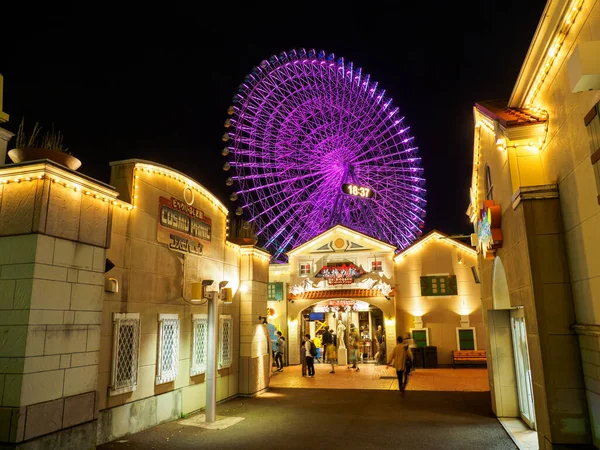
(242,232)
(29,147)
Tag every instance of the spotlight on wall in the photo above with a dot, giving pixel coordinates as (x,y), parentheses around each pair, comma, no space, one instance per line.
(475,274)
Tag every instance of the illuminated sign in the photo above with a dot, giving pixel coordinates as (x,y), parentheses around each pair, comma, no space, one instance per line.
(340,273)
(182,227)
(357,191)
(489,233)
(341,302)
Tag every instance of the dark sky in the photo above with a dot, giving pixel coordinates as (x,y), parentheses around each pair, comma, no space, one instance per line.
(124,81)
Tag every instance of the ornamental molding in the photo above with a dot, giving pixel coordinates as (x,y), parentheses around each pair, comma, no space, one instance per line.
(586,329)
(540,192)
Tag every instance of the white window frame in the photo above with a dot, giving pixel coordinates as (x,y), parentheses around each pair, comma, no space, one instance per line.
(224,363)
(162,375)
(119,320)
(371,261)
(304,263)
(458,338)
(420,329)
(198,366)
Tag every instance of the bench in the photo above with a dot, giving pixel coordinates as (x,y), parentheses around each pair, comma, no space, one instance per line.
(462,357)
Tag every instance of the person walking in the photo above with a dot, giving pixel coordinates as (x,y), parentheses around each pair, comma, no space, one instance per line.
(279,351)
(329,349)
(303,356)
(398,357)
(310,356)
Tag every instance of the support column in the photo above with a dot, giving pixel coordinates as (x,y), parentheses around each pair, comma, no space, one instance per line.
(254,337)
(54,231)
(557,375)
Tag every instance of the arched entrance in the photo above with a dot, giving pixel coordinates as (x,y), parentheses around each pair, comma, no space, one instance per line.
(379,310)
(340,315)
(510,379)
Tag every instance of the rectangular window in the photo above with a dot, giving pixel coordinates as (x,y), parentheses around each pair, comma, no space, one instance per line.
(592,124)
(168,348)
(225,341)
(438,285)
(376,265)
(420,336)
(275,292)
(199,344)
(126,350)
(465,339)
(305,268)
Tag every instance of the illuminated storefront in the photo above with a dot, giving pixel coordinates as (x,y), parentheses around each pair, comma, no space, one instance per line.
(428,290)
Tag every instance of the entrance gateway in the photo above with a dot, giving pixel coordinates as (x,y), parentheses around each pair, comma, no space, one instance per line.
(340,315)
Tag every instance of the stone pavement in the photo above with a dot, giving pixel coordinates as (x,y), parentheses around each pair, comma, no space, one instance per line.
(285,418)
(371,376)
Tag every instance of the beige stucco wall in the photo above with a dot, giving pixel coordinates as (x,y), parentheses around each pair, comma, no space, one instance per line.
(550,249)
(441,315)
(154,280)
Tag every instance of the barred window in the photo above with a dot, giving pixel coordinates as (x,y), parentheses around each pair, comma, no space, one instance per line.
(225,341)
(126,350)
(168,348)
(199,344)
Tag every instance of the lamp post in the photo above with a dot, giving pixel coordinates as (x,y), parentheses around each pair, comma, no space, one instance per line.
(212,298)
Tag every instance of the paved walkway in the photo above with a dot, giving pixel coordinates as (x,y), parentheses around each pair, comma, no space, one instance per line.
(338,418)
(371,376)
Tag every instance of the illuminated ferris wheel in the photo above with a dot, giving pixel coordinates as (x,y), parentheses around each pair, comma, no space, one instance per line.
(312,142)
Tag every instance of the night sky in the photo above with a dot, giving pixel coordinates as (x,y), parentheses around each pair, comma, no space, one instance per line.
(135,82)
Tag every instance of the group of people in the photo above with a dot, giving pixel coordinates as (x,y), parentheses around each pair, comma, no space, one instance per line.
(401,357)
(309,350)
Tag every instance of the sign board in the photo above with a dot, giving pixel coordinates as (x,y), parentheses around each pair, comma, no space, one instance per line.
(182,227)
(489,233)
(340,273)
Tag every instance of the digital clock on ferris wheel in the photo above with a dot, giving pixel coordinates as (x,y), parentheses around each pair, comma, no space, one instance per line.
(357,191)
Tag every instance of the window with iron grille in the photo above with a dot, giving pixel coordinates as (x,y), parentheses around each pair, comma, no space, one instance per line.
(592,124)
(225,341)
(199,344)
(126,350)
(376,265)
(305,268)
(168,348)
(439,285)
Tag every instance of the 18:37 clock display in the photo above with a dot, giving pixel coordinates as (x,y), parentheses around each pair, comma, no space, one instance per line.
(357,191)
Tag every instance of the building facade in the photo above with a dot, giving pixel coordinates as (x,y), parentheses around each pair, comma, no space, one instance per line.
(104,328)
(534,206)
(428,290)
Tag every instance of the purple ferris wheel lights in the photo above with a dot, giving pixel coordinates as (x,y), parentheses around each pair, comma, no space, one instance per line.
(303,124)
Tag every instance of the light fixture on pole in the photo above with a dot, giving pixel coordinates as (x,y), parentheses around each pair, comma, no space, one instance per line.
(213,297)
